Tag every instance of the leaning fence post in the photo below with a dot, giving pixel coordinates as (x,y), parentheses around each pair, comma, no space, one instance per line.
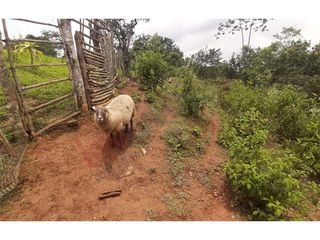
(25,117)
(73,63)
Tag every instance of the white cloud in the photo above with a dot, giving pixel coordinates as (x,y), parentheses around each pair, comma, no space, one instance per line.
(193,34)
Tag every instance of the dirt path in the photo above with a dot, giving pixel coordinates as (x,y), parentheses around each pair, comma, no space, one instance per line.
(65,172)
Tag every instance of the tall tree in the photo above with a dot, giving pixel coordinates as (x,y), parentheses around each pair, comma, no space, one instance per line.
(288,36)
(242,25)
(169,51)
(123,32)
(207,57)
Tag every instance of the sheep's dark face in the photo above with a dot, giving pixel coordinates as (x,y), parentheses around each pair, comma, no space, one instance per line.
(100,114)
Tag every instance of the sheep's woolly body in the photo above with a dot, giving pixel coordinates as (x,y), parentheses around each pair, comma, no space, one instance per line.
(119,112)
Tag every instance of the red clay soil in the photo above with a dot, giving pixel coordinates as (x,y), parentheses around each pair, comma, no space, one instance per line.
(65,172)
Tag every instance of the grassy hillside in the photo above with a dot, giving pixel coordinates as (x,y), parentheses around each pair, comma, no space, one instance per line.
(37,96)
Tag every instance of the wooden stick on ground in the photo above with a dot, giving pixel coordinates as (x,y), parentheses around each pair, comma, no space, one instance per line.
(111,194)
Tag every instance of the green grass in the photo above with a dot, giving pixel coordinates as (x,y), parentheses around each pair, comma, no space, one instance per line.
(186,142)
(177,205)
(142,134)
(37,96)
(3,110)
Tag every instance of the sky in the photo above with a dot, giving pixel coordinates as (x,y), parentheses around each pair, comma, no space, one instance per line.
(191,35)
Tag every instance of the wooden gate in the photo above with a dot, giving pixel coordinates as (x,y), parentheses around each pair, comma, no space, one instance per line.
(39,114)
(95,51)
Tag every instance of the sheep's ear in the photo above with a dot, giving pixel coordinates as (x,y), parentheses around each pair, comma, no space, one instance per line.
(94,108)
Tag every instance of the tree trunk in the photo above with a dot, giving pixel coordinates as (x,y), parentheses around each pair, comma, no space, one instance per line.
(241,34)
(73,64)
(249,38)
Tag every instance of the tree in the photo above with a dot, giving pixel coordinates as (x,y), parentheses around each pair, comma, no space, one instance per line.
(288,35)
(152,70)
(169,51)
(29,47)
(207,63)
(207,57)
(242,25)
(48,49)
(123,32)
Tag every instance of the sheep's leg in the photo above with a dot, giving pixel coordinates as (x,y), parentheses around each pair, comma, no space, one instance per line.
(131,123)
(126,128)
(112,142)
(120,140)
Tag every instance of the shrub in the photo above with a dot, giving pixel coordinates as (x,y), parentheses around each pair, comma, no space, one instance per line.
(310,84)
(257,174)
(264,183)
(308,146)
(150,97)
(136,97)
(241,98)
(248,131)
(192,101)
(151,69)
(288,110)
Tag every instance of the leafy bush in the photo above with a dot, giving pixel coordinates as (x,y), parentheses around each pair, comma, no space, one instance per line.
(257,174)
(241,98)
(308,146)
(136,97)
(151,69)
(192,101)
(286,107)
(264,183)
(150,97)
(310,84)
(288,110)
(246,132)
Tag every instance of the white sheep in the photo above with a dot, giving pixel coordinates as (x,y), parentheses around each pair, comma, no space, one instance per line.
(115,116)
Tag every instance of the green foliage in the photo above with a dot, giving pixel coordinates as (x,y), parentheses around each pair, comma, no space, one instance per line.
(185,142)
(136,97)
(256,172)
(192,101)
(142,134)
(289,60)
(48,49)
(248,131)
(30,48)
(150,97)
(37,96)
(257,176)
(166,47)
(151,69)
(308,146)
(241,98)
(288,109)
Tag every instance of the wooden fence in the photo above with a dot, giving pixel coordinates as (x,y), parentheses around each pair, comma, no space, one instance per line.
(89,60)
(96,58)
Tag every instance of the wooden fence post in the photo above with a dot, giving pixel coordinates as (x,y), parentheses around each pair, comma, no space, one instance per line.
(9,95)
(79,44)
(25,117)
(73,64)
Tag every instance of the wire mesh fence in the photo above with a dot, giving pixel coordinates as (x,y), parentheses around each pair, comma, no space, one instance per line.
(34,90)
(9,161)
